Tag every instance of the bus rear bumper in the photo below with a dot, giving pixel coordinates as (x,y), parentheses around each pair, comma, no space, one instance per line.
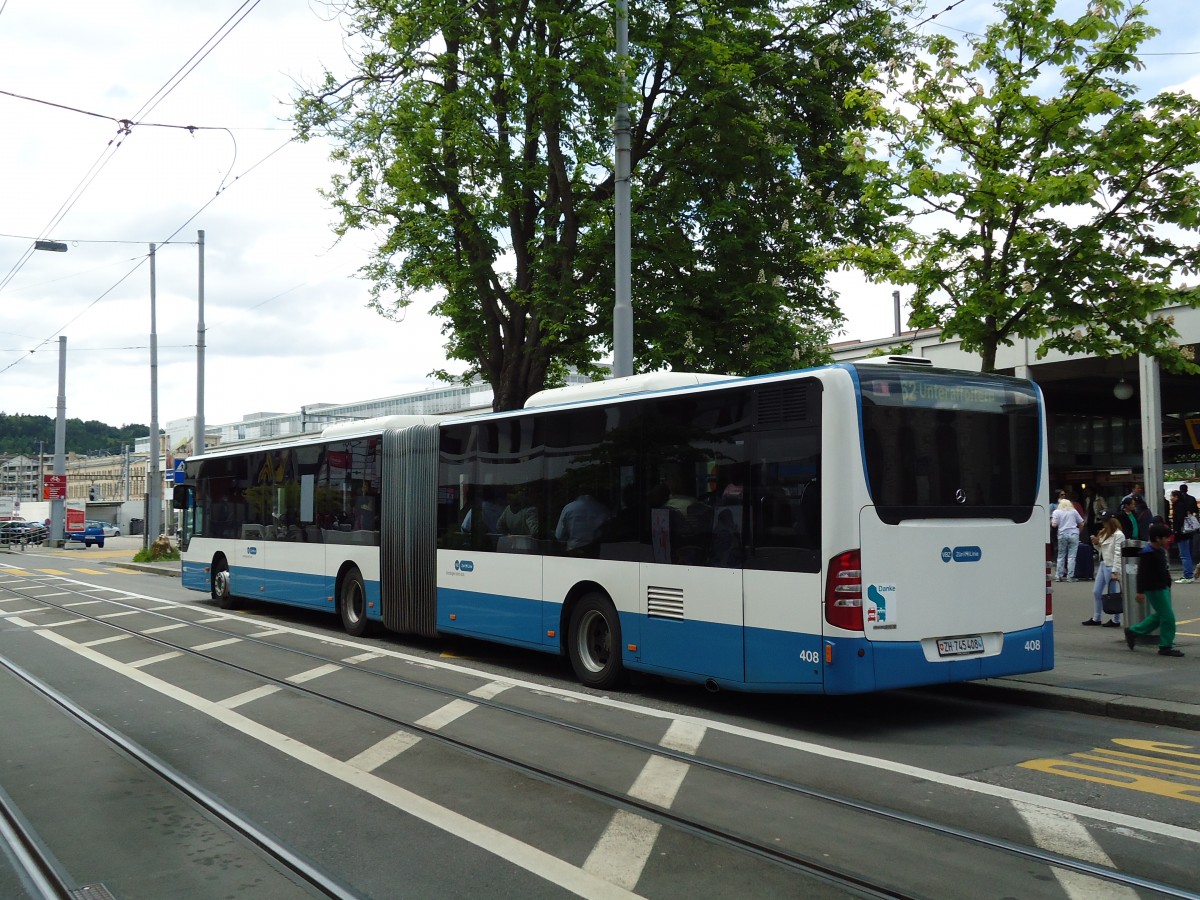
(860,665)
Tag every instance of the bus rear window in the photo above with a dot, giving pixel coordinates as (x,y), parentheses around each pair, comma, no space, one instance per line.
(957,445)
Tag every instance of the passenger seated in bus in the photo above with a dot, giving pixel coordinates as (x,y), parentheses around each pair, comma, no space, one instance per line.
(579,521)
(520,517)
(489,511)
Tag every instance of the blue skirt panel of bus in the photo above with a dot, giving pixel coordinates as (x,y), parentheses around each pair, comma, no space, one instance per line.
(862,665)
(194,576)
(495,617)
(290,588)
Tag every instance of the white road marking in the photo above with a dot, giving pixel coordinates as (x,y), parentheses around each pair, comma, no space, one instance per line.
(624,849)
(532,859)
(58,624)
(383,751)
(249,696)
(490,690)
(318,672)
(117,615)
(23,612)
(362,658)
(440,718)
(151,660)
(212,645)
(684,735)
(107,640)
(159,628)
(1120,820)
(1065,835)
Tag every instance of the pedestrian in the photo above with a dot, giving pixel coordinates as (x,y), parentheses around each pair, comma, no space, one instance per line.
(1109,542)
(1131,524)
(1154,586)
(1066,520)
(1183,522)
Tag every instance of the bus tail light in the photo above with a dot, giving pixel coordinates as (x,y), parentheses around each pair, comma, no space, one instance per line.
(1051,562)
(843,591)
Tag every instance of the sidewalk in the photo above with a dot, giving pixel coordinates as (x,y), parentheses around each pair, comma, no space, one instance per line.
(1094,671)
(116,551)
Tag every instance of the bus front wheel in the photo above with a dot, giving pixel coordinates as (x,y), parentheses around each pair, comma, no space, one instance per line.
(352,604)
(594,642)
(221,585)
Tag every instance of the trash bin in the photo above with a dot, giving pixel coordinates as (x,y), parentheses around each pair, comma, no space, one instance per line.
(1134,611)
(136,526)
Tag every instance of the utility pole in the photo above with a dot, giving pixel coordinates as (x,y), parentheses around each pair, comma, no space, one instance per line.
(154,483)
(198,431)
(623,303)
(58,507)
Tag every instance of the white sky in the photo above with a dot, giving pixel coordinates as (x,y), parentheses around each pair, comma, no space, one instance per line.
(286,318)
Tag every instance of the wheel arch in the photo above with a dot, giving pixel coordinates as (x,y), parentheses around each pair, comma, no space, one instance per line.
(347,566)
(577,592)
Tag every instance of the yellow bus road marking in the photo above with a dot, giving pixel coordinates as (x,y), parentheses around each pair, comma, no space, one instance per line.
(1176,768)
(125,571)
(90,572)
(21,573)
(52,571)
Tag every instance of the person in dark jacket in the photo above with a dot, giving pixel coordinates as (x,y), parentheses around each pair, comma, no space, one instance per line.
(1131,524)
(1183,504)
(1154,586)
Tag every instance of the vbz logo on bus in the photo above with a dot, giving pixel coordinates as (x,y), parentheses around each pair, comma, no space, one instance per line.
(464,565)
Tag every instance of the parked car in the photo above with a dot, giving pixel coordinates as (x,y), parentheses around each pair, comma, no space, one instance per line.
(109,529)
(18,531)
(92,533)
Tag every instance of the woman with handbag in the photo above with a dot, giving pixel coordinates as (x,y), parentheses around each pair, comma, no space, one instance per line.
(1109,542)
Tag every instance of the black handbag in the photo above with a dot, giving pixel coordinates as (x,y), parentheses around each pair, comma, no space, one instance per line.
(1113,601)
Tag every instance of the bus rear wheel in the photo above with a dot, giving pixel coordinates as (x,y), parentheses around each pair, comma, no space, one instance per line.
(352,604)
(221,585)
(594,642)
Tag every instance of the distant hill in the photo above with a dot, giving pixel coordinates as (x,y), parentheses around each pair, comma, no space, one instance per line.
(21,434)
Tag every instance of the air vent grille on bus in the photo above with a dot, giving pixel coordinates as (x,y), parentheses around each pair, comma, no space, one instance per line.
(664,602)
(783,404)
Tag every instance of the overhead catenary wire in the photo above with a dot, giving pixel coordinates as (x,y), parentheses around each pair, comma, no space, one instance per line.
(125,128)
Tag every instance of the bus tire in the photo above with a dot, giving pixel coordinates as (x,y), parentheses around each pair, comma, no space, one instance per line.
(352,603)
(594,642)
(221,586)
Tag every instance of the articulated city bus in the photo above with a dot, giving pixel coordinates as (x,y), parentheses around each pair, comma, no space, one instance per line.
(849,528)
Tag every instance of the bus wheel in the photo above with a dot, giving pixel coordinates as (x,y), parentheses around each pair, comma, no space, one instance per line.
(220,584)
(352,604)
(594,642)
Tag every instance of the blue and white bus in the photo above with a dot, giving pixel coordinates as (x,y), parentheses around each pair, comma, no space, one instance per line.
(855,527)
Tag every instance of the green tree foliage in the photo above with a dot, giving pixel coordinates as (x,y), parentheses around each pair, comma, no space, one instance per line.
(21,435)
(1047,201)
(476,141)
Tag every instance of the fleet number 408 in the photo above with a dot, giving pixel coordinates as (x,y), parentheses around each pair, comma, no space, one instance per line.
(810,656)
(1033,646)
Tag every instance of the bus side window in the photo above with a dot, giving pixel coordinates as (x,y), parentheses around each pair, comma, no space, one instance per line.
(786,502)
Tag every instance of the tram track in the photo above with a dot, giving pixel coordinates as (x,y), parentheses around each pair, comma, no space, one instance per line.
(715,832)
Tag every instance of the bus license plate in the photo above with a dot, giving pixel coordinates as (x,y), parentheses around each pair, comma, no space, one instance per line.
(959,646)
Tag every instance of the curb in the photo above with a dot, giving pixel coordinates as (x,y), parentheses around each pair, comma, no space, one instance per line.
(1093,703)
(171,569)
